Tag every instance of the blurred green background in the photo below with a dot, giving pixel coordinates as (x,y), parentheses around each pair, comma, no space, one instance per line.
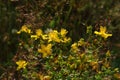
(74,15)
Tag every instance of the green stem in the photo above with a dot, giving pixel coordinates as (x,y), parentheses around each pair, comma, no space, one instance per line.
(69,11)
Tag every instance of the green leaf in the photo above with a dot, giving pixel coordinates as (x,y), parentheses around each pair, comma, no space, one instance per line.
(52,24)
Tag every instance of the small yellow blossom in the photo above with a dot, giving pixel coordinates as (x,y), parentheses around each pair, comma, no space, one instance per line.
(46,78)
(108,53)
(21,64)
(63,32)
(38,32)
(42,77)
(45,37)
(65,40)
(94,65)
(45,50)
(74,47)
(81,42)
(102,32)
(24,29)
(34,36)
(53,36)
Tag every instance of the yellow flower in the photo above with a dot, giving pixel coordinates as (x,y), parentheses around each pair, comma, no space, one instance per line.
(53,36)
(46,78)
(102,32)
(34,36)
(24,29)
(65,40)
(94,65)
(42,77)
(44,37)
(45,50)
(21,64)
(38,32)
(108,53)
(74,47)
(81,42)
(63,32)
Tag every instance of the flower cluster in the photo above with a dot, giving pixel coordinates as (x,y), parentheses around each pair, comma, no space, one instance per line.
(53,35)
(51,55)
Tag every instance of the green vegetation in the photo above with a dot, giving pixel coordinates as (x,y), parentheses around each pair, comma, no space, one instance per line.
(66,39)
